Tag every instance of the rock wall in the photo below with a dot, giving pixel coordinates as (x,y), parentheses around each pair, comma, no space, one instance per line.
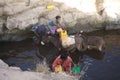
(17,16)
(15,73)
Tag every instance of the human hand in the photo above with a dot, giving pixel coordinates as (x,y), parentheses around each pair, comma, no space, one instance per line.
(48,32)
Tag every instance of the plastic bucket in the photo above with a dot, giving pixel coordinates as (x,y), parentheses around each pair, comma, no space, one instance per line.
(76,69)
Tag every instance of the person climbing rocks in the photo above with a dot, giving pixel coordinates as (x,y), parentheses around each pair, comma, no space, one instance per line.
(55,25)
(62,61)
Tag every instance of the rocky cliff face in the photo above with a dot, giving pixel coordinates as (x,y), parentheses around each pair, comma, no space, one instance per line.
(17,16)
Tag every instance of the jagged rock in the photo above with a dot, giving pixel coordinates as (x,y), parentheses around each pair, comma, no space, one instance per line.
(115,26)
(88,15)
(2,3)
(68,17)
(15,8)
(25,19)
(1,11)
(1,25)
(99,6)
(3,65)
(52,13)
(43,21)
(18,7)
(15,73)
(63,7)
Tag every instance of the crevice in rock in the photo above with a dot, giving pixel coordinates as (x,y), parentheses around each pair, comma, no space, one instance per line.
(99,6)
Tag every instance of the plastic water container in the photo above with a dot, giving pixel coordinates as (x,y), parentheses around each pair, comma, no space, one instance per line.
(50,6)
(76,69)
(58,68)
(63,33)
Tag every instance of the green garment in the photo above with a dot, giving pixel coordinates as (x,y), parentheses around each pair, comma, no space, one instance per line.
(53,23)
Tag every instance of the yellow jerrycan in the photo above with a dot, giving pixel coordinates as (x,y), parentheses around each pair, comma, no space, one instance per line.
(50,6)
(58,68)
(63,33)
(64,38)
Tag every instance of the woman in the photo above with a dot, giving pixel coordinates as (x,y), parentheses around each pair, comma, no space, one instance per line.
(64,61)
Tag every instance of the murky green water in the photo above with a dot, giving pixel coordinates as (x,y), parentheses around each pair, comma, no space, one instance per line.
(104,66)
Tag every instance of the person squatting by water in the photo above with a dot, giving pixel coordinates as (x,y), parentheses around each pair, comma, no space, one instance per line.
(62,63)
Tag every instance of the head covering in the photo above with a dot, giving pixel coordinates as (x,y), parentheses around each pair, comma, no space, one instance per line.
(34,28)
(64,56)
(58,17)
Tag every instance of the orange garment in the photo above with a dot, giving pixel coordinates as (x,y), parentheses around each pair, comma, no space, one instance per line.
(66,65)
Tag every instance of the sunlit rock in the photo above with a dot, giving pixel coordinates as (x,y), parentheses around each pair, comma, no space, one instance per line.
(19,6)
(112,8)
(15,73)
(1,11)
(23,20)
(87,15)
(2,3)
(82,5)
